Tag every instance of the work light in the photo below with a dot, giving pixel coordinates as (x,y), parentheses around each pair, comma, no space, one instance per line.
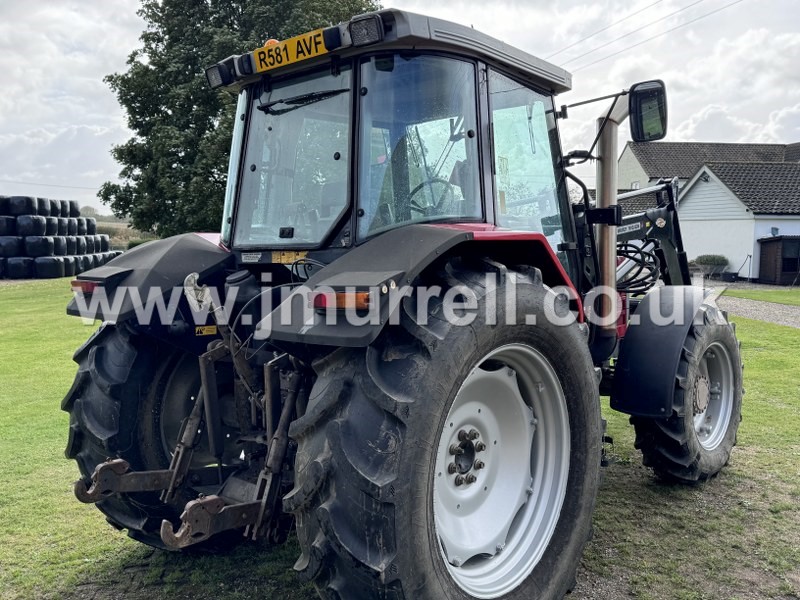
(366,30)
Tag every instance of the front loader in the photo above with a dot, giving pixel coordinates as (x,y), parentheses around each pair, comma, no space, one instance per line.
(396,346)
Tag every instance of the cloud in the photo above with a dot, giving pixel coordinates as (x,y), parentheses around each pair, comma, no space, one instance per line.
(732,76)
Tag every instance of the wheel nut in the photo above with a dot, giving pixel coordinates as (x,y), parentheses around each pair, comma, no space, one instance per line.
(479,464)
(471,478)
(452,468)
(474,435)
(463,436)
(480,447)
(456,450)
(459,480)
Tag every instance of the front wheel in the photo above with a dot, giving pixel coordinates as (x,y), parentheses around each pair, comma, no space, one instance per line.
(451,461)
(696,441)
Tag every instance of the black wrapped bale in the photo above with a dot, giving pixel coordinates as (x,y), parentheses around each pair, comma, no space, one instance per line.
(31,225)
(22,205)
(36,246)
(72,245)
(51,226)
(43,207)
(63,208)
(98,260)
(74,209)
(8,226)
(72,226)
(63,226)
(69,266)
(49,267)
(60,245)
(81,225)
(88,262)
(98,243)
(89,244)
(105,242)
(2,267)
(4,211)
(55,208)
(10,246)
(19,268)
(78,265)
(91,226)
(80,247)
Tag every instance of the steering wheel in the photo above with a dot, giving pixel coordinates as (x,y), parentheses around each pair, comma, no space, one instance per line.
(437,204)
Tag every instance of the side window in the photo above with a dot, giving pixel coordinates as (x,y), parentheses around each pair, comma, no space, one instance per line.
(525,184)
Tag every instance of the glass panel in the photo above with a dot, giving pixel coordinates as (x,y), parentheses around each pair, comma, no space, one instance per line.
(525,183)
(233,166)
(791,256)
(419,151)
(294,186)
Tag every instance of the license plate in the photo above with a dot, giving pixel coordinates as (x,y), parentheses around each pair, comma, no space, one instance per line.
(287,52)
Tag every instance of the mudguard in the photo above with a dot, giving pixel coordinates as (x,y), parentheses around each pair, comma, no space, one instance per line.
(389,263)
(650,352)
(152,268)
(392,259)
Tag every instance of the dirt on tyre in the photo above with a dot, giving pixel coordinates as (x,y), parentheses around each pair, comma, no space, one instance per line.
(695,442)
(449,461)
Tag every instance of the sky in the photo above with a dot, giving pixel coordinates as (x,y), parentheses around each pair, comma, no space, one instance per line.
(731,68)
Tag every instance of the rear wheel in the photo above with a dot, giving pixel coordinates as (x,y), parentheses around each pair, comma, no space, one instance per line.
(696,441)
(451,461)
(128,400)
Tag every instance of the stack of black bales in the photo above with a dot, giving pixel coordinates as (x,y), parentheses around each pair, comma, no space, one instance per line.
(42,238)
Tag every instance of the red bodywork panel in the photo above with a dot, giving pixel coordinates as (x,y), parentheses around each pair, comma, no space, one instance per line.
(542,255)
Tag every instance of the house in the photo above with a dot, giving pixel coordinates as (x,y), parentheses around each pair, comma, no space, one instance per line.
(643,163)
(732,208)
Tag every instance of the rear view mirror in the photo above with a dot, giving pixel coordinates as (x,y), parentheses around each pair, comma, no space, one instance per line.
(647,105)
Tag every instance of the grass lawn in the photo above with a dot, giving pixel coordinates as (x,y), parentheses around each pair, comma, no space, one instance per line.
(787,296)
(736,537)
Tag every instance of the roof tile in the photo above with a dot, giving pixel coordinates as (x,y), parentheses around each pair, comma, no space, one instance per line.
(683,159)
(765,188)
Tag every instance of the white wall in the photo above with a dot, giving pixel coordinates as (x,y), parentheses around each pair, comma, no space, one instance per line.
(786,225)
(732,239)
(714,221)
(630,171)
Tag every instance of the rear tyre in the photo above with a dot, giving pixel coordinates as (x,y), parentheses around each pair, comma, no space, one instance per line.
(380,513)
(696,441)
(128,399)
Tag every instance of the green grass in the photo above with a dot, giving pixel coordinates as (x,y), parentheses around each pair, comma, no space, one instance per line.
(787,296)
(736,537)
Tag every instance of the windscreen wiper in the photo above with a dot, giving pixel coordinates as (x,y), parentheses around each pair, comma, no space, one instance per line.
(296,102)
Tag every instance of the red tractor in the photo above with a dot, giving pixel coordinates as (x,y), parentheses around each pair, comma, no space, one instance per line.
(397,344)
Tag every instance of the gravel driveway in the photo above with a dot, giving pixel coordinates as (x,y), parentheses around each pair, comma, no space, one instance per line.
(782,314)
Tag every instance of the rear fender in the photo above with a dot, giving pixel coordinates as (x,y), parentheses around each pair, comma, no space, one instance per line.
(129,286)
(395,259)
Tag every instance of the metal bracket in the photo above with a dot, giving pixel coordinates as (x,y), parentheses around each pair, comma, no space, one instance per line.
(113,476)
(611,215)
(205,517)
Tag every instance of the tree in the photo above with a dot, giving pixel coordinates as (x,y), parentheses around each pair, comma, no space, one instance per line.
(174,168)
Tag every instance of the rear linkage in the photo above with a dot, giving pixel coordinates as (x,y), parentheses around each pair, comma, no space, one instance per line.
(254,507)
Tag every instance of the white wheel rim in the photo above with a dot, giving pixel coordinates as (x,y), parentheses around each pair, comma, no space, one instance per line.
(713,396)
(493,530)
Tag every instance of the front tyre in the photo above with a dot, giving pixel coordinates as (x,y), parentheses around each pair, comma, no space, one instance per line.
(696,441)
(451,461)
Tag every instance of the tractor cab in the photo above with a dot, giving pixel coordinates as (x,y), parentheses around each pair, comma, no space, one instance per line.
(389,120)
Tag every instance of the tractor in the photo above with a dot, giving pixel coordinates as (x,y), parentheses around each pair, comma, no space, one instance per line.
(396,346)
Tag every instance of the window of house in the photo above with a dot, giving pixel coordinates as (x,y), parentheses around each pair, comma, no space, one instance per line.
(791,256)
